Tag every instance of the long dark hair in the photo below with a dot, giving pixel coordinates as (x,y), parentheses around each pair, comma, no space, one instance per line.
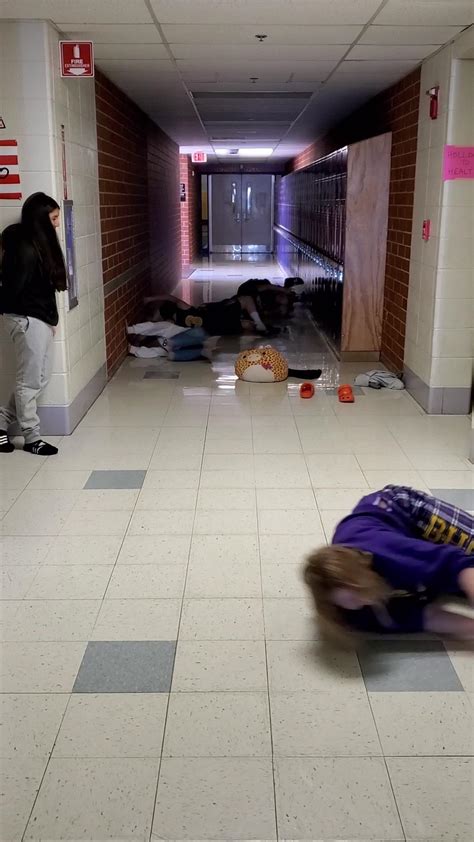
(39,230)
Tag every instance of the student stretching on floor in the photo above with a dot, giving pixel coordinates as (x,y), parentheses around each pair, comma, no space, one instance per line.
(217,318)
(398,552)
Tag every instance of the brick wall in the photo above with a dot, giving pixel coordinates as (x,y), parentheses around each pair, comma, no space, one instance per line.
(164,211)
(137,163)
(395,110)
(190,212)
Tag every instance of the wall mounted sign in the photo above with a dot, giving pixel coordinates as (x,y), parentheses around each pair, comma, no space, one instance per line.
(68,215)
(182,192)
(199,157)
(77,59)
(458,162)
(9,170)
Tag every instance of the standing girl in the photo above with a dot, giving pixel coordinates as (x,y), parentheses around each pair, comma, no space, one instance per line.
(33,270)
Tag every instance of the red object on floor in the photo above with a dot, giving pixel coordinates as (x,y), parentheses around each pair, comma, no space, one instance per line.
(345,394)
(306,390)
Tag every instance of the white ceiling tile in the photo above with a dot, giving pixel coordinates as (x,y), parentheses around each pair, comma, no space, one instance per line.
(140,68)
(281,12)
(210,33)
(387,52)
(257,53)
(79,11)
(266,72)
(406,35)
(141,33)
(427,12)
(128,52)
(249,86)
(374,67)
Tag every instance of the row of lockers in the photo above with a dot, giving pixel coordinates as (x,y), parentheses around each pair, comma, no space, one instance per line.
(311,204)
(323,280)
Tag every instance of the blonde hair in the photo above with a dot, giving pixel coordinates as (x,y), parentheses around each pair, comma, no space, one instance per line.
(341,567)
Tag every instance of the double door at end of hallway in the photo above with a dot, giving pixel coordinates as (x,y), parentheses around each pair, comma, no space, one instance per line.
(241,213)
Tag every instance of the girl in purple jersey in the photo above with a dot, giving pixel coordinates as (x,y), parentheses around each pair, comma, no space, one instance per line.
(390,560)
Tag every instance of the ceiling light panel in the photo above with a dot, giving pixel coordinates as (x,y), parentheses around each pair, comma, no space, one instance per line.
(281,12)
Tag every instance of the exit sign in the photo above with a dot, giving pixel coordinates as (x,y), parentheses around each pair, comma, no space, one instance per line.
(199,157)
(77,59)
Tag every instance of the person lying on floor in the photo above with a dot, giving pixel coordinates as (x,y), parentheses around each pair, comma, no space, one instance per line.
(398,552)
(273,301)
(218,318)
(164,339)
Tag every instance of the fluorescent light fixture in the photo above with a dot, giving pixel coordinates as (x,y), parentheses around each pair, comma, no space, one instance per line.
(255,152)
(246,152)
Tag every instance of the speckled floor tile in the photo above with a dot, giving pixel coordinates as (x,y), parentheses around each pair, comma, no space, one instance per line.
(215,798)
(113,725)
(218,725)
(29,724)
(21,779)
(220,665)
(222,619)
(434,796)
(289,619)
(424,723)
(303,665)
(323,724)
(320,798)
(40,667)
(95,799)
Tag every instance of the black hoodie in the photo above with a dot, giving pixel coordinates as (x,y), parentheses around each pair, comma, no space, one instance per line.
(26,289)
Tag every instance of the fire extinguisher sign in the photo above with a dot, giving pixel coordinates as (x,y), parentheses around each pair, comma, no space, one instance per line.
(76,59)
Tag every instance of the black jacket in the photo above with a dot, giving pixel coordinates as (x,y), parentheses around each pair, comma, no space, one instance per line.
(26,289)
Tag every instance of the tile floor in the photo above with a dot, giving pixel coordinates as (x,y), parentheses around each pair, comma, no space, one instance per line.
(162,677)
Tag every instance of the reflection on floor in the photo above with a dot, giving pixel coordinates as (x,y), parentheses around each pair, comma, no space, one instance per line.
(162,676)
(299,339)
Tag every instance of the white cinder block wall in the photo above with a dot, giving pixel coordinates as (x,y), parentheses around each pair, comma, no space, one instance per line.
(35,102)
(440,312)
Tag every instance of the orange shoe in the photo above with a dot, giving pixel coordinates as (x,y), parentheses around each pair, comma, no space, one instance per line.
(345,394)
(306,390)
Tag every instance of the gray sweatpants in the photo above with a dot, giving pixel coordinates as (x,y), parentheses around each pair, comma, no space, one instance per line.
(33,343)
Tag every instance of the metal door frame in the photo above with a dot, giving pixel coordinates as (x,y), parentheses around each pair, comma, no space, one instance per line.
(237,249)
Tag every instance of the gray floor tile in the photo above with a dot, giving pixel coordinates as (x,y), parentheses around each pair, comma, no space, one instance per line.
(126,667)
(463,498)
(115,479)
(401,666)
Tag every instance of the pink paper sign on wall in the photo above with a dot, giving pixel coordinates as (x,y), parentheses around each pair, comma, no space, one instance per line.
(458,162)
